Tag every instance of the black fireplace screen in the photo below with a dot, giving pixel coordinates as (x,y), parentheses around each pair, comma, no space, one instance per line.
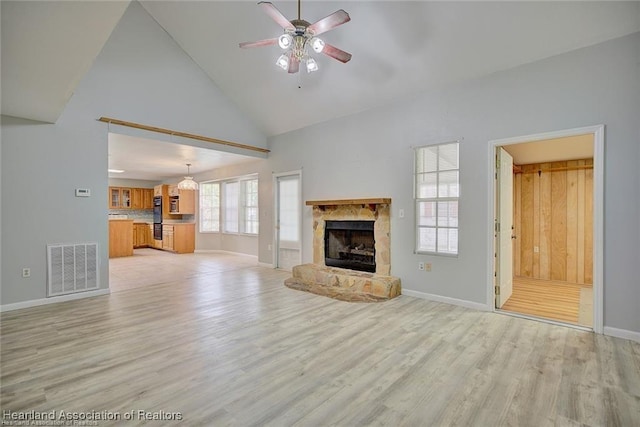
(350,244)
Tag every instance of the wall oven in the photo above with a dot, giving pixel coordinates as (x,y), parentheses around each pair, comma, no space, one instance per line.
(157,218)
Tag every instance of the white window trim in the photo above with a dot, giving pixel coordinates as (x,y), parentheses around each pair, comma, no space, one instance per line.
(416,200)
(239,180)
(219,209)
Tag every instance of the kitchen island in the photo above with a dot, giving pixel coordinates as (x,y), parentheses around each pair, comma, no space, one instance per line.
(120,238)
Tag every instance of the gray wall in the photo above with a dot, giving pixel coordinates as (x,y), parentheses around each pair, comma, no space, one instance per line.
(370,155)
(142,76)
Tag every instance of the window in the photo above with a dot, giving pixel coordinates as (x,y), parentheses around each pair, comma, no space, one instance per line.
(231,195)
(437,190)
(230,206)
(209,207)
(250,206)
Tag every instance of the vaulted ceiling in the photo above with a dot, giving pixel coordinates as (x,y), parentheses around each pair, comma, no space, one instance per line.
(399,48)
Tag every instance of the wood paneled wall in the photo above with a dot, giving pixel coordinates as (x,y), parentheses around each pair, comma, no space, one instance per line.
(553,220)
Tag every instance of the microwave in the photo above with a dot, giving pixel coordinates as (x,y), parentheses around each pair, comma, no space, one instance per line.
(174,206)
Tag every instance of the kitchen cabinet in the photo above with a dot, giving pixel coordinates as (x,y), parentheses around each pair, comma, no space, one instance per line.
(137,201)
(147,198)
(163,191)
(179,237)
(130,198)
(120,237)
(173,191)
(141,235)
(157,190)
(141,198)
(186,202)
(119,198)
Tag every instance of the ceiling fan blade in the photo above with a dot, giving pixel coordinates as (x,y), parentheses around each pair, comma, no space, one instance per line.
(259,43)
(329,22)
(276,15)
(294,66)
(336,53)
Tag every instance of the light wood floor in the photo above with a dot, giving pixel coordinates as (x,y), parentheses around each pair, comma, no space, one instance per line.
(566,302)
(234,346)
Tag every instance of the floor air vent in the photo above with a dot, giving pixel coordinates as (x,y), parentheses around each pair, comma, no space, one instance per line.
(72,268)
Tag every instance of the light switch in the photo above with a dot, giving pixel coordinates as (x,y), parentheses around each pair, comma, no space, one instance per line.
(401,213)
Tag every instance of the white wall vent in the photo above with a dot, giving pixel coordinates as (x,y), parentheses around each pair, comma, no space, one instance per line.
(72,268)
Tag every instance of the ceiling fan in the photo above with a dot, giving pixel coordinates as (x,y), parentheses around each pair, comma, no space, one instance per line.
(300,36)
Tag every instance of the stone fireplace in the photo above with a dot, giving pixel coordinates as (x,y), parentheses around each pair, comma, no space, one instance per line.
(351,251)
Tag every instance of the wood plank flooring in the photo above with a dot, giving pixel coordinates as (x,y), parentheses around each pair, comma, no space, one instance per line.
(552,300)
(229,344)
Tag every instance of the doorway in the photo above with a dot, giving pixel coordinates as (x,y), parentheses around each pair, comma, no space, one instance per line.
(288,221)
(547,225)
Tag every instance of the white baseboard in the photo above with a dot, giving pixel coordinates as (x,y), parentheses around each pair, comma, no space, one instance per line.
(622,333)
(53,300)
(446,300)
(265,264)
(220,251)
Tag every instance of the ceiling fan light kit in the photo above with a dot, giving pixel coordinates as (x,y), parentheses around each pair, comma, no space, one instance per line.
(300,37)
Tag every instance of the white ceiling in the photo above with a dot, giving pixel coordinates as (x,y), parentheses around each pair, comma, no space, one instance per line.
(399,48)
(47,47)
(148,159)
(552,150)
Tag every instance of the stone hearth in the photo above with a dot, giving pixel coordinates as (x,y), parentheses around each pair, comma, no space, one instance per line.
(341,283)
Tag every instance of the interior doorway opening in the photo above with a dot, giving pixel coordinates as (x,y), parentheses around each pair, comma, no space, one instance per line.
(546,219)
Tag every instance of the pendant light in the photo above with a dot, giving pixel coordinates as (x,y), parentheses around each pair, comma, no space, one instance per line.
(188,183)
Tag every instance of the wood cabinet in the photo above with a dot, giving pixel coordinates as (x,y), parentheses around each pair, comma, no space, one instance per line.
(119,198)
(141,235)
(147,198)
(130,198)
(179,238)
(173,191)
(120,238)
(137,200)
(167,237)
(186,202)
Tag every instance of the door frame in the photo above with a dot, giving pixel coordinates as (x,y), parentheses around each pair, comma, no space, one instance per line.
(276,206)
(598,212)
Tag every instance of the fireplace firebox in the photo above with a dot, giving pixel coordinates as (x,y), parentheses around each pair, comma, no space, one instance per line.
(350,244)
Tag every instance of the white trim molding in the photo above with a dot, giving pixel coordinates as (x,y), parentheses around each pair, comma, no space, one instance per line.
(447,300)
(598,211)
(53,300)
(622,333)
(265,264)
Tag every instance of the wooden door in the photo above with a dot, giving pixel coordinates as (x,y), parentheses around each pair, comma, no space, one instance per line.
(504,227)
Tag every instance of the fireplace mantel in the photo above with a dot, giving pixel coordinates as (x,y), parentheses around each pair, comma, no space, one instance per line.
(370,202)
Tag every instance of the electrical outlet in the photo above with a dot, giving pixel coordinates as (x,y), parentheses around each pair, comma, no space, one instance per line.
(427,266)
(536,249)
(26,272)
(421,266)
(268,247)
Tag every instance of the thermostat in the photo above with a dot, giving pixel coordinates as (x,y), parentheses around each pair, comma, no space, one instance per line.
(83,192)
